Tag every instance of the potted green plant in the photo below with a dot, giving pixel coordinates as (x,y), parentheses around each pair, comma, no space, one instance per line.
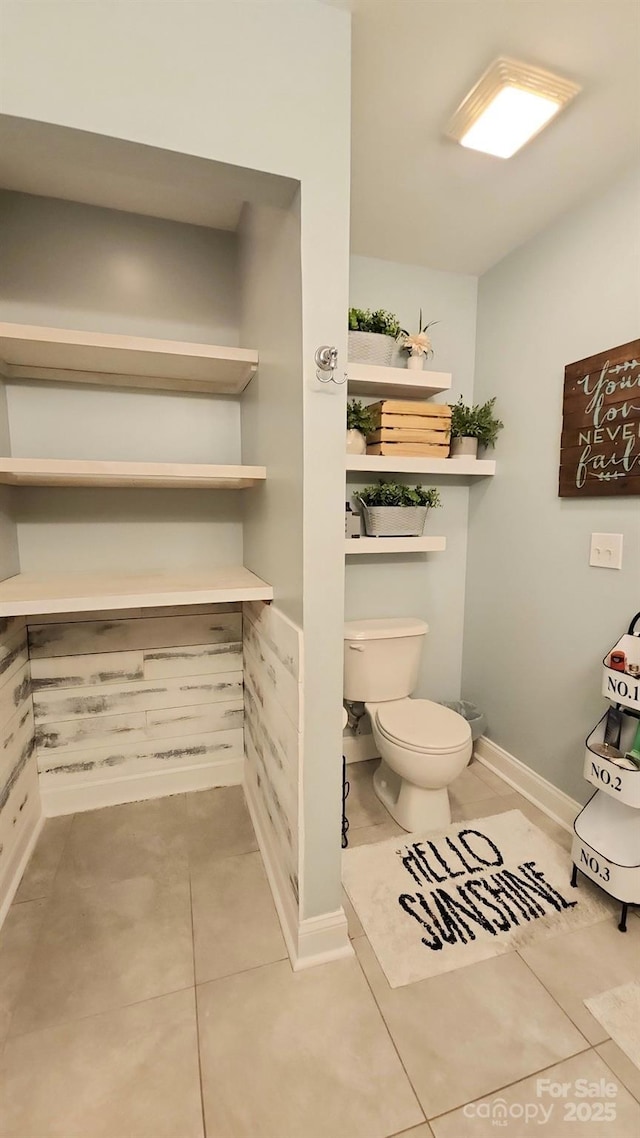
(360,423)
(372,336)
(473,426)
(391,509)
(417,345)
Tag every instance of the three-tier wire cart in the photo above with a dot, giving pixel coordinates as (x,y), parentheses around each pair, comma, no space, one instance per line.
(606,842)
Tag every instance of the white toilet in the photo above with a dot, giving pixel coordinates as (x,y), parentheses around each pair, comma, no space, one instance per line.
(423,746)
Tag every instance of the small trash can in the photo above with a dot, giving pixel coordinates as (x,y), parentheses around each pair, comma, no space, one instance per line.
(474,717)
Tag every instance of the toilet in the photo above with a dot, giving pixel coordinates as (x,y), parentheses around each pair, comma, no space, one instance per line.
(423,746)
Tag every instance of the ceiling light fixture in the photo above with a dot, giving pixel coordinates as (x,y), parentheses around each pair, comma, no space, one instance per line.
(509,105)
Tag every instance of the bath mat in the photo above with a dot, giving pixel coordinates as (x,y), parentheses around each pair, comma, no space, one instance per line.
(618,1010)
(430,904)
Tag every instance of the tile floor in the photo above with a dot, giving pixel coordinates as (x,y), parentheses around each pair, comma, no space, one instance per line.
(145,992)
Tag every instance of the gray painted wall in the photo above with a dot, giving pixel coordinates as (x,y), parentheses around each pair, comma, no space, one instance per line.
(271,409)
(79,266)
(430,587)
(8,535)
(539,619)
(71,265)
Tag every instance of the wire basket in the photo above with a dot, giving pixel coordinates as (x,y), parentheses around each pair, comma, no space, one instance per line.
(394,521)
(371,348)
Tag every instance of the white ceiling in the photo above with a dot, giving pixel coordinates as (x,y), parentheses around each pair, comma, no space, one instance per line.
(418,197)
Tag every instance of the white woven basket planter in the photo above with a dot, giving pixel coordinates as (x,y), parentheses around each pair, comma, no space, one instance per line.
(371,348)
(394,521)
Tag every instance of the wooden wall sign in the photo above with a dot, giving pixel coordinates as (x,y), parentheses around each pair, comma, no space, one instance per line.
(600,446)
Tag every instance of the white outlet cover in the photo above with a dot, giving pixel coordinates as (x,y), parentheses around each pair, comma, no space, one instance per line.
(606,550)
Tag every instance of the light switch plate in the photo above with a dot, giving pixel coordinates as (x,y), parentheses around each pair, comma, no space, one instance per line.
(606,550)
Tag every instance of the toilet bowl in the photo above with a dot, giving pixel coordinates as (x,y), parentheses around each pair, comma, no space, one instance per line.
(423,745)
(423,748)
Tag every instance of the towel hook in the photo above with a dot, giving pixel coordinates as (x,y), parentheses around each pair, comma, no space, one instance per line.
(326,359)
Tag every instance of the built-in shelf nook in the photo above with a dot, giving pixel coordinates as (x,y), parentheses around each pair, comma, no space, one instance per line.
(403,383)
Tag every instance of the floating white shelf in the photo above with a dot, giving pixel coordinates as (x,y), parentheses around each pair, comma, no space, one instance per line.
(65,356)
(382,464)
(40,593)
(394,545)
(81,472)
(395,382)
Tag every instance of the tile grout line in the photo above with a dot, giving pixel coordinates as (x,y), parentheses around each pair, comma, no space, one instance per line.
(514,1083)
(46,902)
(635,1096)
(582,1051)
(551,995)
(95,1014)
(393,1042)
(195,1000)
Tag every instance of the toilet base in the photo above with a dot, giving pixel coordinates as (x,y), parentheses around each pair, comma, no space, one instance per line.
(412,807)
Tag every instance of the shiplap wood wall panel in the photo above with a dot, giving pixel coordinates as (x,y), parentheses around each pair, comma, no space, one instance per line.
(137,696)
(140,758)
(19,795)
(75,638)
(273,740)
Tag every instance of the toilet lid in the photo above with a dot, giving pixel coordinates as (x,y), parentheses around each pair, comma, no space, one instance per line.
(424,725)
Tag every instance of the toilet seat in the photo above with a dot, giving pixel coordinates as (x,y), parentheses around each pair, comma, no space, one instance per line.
(422,726)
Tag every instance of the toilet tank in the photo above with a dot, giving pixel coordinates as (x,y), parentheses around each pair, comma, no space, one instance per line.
(382,658)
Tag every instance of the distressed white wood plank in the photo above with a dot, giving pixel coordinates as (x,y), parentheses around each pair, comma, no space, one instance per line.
(139,726)
(137,758)
(283,685)
(130,613)
(192,660)
(14,655)
(182,721)
(80,591)
(18,811)
(17,734)
(96,731)
(277,813)
(192,610)
(92,668)
(79,638)
(9,625)
(280,738)
(141,695)
(282,636)
(279,751)
(14,693)
(10,727)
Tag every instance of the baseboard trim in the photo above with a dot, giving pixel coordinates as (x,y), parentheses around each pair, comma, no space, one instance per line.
(316,940)
(18,863)
(322,939)
(359,748)
(538,790)
(74,798)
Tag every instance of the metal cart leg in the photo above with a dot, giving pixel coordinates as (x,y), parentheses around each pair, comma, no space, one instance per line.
(574,877)
(345,793)
(623,918)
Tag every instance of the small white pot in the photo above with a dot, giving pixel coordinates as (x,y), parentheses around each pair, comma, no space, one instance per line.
(356,442)
(464,447)
(415,363)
